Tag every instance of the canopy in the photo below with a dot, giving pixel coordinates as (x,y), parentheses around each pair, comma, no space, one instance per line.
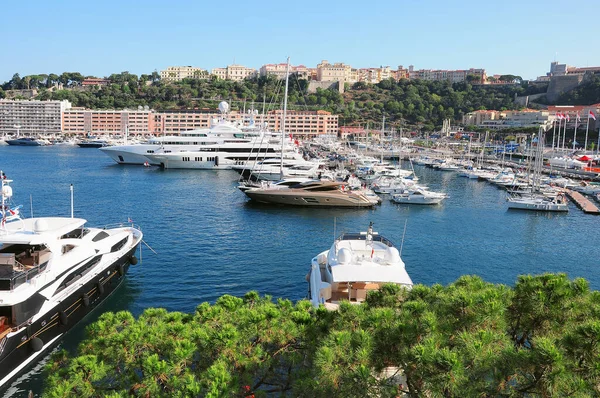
(370,273)
(584,159)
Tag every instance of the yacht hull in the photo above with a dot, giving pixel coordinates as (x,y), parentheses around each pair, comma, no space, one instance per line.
(312,199)
(21,350)
(129,154)
(540,206)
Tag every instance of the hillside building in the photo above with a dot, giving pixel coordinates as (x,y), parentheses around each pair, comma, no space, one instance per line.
(178,73)
(31,117)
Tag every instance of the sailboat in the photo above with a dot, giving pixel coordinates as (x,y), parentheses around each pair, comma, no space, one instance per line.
(536,201)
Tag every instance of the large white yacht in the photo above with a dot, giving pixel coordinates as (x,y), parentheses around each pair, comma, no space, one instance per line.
(221,145)
(53,272)
(355,264)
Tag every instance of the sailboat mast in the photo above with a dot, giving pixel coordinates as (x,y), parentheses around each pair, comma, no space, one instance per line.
(285,96)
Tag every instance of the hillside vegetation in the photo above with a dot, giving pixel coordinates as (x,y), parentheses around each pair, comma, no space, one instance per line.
(405,103)
(468,339)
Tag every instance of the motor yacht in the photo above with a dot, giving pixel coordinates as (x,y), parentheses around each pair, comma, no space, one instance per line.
(26,141)
(419,196)
(355,264)
(53,272)
(314,193)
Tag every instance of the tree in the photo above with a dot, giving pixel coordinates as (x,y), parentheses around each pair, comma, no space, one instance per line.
(470,338)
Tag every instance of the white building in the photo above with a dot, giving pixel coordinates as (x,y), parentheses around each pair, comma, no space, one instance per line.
(177,73)
(31,116)
(234,72)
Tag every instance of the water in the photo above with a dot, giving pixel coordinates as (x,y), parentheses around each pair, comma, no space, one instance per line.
(212,241)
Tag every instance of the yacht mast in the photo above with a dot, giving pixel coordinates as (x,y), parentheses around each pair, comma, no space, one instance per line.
(285,96)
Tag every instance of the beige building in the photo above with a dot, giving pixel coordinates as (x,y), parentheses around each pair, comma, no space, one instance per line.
(279,70)
(477,118)
(31,116)
(234,72)
(374,75)
(336,72)
(80,121)
(177,73)
(454,76)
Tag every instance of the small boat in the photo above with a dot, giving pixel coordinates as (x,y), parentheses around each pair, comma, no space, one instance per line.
(53,272)
(146,164)
(538,202)
(419,196)
(92,144)
(355,264)
(313,193)
(26,141)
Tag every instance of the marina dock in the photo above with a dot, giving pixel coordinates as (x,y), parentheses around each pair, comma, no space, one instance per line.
(582,202)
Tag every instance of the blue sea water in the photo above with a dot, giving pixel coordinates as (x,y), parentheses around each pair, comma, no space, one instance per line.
(210,240)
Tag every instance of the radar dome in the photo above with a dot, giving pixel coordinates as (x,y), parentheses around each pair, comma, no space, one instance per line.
(7,191)
(344,255)
(392,255)
(40,225)
(223,107)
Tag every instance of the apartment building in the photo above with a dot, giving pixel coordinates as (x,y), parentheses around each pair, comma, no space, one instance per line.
(178,73)
(374,75)
(234,72)
(31,116)
(304,124)
(279,71)
(80,121)
(477,118)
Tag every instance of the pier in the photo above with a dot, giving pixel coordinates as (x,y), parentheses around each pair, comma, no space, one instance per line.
(582,202)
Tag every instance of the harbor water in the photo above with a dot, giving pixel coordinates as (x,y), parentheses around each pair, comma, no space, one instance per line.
(210,240)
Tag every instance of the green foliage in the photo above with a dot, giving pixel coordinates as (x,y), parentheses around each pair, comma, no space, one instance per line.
(471,338)
(405,103)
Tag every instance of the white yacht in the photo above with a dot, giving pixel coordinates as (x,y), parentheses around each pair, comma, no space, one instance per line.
(53,272)
(355,263)
(419,196)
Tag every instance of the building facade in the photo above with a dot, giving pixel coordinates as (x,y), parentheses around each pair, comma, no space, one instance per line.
(336,72)
(80,121)
(234,72)
(178,73)
(32,117)
(279,71)
(304,124)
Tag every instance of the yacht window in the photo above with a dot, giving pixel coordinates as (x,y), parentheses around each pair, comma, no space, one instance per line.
(119,245)
(67,248)
(101,235)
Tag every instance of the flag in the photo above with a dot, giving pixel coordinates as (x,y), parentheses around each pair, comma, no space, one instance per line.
(591,115)
(372,252)
(559,116)
(568,118)
(11,211)
(577,119)
(129,219)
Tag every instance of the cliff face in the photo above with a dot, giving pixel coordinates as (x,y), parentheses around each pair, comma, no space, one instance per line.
(561,84)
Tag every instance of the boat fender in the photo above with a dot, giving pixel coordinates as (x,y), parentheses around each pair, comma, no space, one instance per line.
(121,269)
(86,300)
(37,344)
(100,288)
(307,277)
(133,260)
(63,318)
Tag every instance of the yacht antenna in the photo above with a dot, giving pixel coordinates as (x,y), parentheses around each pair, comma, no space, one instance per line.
(285,95)
(403,234)
(31,204)
(71,200)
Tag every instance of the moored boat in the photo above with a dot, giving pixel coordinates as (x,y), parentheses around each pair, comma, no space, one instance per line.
(355,263)
(53,272)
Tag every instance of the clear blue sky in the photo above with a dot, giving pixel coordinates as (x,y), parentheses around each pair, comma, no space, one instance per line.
(103,37)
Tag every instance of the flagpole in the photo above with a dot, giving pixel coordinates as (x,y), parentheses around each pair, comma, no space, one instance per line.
(587,127)
(575,132)
(554,131)
(564,134)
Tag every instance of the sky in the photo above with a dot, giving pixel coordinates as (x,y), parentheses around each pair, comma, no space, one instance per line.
(111,36)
